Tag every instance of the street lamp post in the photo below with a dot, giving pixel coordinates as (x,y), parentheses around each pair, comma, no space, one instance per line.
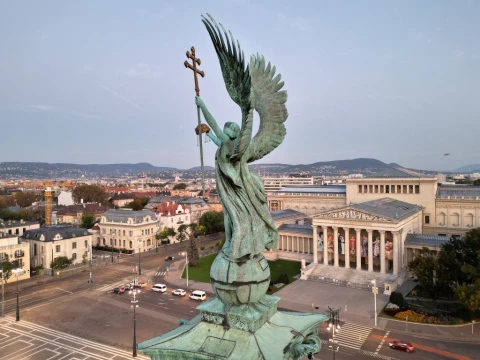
(112,247)
(334,324)
(53,245)
(134,305)
(90,279)
(139,262)
(3,294)
(375,292)
(473,321)
(186,261)
(17,317)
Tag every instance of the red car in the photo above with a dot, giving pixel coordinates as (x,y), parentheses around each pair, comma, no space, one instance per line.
(401,345)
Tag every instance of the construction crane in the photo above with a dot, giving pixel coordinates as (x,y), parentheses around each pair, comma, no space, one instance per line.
(48,203)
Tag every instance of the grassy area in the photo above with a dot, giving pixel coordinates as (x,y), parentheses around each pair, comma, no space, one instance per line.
(202,271)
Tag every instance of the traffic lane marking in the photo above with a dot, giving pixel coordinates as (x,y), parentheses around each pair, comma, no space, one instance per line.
(429,349)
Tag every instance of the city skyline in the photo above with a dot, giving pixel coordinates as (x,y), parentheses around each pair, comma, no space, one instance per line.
(103,83)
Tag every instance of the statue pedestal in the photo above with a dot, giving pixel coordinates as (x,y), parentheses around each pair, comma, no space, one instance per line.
(249,331)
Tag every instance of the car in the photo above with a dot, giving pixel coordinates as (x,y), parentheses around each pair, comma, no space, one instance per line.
(179,292)
(198,295)
(169,258)
(401,345)
(119,289)
(140,284)
(159,288)
(129,286)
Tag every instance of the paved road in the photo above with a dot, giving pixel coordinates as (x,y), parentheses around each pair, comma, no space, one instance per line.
(61,306)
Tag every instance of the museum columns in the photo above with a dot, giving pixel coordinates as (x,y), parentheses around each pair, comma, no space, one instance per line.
(358,251)
(335,246)
(370,250)
(315,244)
(396,236)
(325,245)
(382,251)
(347,247)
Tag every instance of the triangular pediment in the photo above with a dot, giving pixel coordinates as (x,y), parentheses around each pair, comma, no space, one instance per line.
(353,214)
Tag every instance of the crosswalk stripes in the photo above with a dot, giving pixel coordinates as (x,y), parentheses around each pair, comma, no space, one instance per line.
(352,336)
(160,273)
(110,286)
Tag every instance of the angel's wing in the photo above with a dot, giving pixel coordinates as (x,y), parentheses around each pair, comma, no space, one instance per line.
(232,62)
(270,105)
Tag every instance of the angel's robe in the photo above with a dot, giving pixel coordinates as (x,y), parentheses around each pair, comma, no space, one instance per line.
(249,227)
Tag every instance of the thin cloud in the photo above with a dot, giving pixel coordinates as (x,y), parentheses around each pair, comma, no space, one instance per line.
(298,23)
(86,116)
(43,107)
(143,70)
(120,96)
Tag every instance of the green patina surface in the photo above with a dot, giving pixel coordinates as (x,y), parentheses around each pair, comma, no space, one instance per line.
(242,322)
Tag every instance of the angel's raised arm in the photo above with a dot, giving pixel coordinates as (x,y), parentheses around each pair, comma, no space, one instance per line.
(210,119)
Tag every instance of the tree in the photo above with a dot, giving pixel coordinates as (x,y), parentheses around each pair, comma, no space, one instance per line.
(164,235)
(182,235)
(212,221)
(476,182)
(89,194)
(61,262)
(425,266)
(192,227)
(469,295)
(6,202)
(136,205)
(24,199)
(7,268)
(192,251)
(88,220)
(201,230)
(180,186)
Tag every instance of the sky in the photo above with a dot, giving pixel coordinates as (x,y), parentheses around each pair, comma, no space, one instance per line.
(104,81)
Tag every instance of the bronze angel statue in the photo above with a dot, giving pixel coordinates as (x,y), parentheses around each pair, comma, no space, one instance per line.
(249,227)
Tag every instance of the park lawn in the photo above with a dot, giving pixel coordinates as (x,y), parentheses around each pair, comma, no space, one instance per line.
(202,271)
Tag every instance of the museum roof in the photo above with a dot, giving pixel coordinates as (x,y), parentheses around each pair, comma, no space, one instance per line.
(287,213)
(387,207)
(54,233)
(397,173)
(427,240)
(458,191)
(301,229)
(122,215)
(318,189)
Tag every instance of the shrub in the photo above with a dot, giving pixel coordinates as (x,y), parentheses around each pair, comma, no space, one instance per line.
(202,247)
(464,314)
(283,278)
(391,312)
(396,298)
(217,244)
(412,316)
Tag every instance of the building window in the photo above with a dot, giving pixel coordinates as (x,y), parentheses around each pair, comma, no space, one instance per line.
(393,189)
(360,187)
(24,229)
(86,243)
(74,245)
(387,189)
(57,248)
(3,256)
(427,219)
(123,243)
(417,189)
(131,233)
(17,231)
(410,189)
(123,232)
(34,249)
(405,189)
(131,245)
(41,249)
(74,256)
(104,231)
(143,232)
(104,243)
(376,189)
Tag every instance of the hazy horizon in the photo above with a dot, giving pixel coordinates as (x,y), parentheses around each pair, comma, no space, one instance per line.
(104,82)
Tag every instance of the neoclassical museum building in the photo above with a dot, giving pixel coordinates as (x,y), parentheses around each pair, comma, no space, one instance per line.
(369,228)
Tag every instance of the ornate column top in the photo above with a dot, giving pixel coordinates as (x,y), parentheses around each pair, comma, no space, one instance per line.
(358,230)
(335,227)
(369,231)
(382,231)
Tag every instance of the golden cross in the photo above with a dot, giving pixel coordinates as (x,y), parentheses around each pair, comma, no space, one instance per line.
(195,61)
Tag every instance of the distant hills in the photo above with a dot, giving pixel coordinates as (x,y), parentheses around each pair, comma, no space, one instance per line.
(468,169)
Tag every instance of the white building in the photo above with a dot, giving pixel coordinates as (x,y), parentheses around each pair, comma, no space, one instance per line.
(16,252)
(128,229)
(65,198)
(50,242)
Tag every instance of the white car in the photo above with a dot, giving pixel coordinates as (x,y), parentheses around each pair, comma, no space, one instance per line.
(159,288)
(198,295)
(179,292)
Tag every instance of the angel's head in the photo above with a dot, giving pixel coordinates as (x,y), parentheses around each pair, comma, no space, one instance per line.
(231,129)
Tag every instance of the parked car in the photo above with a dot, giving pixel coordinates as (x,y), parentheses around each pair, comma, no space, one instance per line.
(171,258)
(179,292)
(119,289)
(159,288)
(198,295)
(129,286)
(401,345)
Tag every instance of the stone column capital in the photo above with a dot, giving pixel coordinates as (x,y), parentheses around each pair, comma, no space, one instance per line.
(381,232)
(396,233)
(369,231)
(358,230)
(335,227)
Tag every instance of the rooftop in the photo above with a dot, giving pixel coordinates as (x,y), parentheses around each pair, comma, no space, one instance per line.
(287,213)
(7,224)
(426,240)
(54,233)
(301,229)
(122,215)
(458,191)
(398,173)
(318,189)
(387,207)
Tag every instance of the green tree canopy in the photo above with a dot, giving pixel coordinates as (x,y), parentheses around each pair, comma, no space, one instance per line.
(212,221)
(89,194)
(7,268)
(6,202)
(24,199)
(476,182)
(61,262)
(135,205)
(88,220)
(182,232)
(180,186)
(425,267)
(192,251)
